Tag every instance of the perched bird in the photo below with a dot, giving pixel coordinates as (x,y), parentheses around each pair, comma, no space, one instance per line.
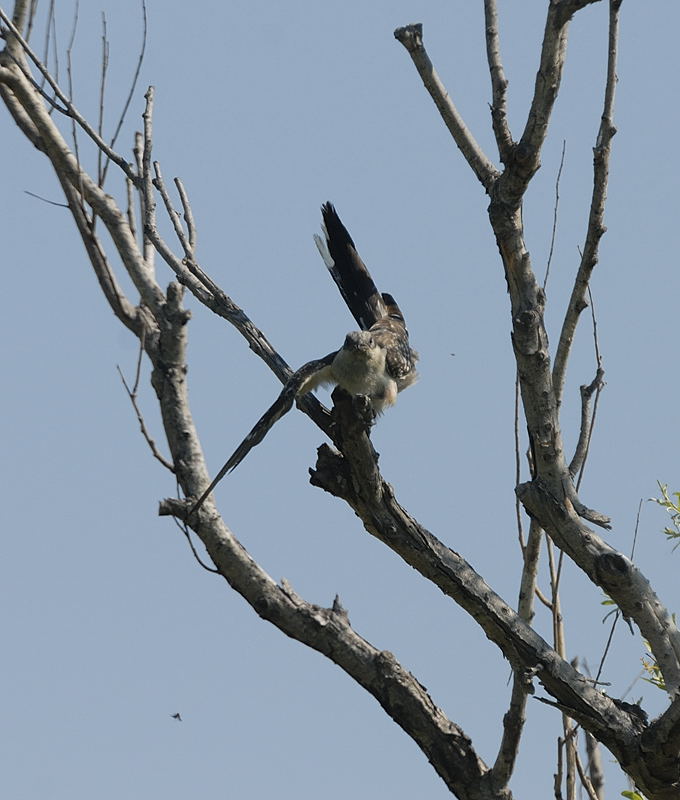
(376,361)
(379,375)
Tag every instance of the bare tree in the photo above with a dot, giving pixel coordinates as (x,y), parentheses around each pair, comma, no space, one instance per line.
(647,752)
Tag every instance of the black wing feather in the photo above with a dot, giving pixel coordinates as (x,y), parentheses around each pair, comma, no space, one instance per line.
(350,273)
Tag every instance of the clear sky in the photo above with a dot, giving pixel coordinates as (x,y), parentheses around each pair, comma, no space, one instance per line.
(266,110)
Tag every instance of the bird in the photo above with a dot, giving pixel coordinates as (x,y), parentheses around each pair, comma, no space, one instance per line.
(177,716)
(376,361)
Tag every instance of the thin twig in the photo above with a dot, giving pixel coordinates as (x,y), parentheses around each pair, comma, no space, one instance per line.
(120,305)
(132,394)
(559,644)
(186,269)
(138,268)
(189,274)
(595,771)
(159,183)
(52,34)
(31,19)
(558,628)
(45,200)
(138,370)
(608,644)
(135,77)
(555,210)
(617,614)
(635,532)
(630,686)
(518,468)
(515,716)
(596,343)
(66,166)
(46,45)
(585,780)
(102,95)
(560,564)
(185,530)
(53,105)
(586,428)
(133,86)
(571,755)
(599,386)
(70,108)
(557,776)
(188,213)
(74,128)
(74,27)
(543,599)
(513,725)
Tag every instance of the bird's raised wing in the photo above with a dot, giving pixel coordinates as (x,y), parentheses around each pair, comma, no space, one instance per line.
(308,377)
(348,270)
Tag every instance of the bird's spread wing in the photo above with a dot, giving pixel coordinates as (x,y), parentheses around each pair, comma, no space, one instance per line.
(348,270)
(308,377)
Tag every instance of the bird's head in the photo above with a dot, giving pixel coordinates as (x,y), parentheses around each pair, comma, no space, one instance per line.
(360,342)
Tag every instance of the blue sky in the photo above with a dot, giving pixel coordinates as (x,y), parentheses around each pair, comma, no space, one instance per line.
(266,110)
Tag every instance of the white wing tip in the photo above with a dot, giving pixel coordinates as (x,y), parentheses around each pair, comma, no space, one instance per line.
(322,247)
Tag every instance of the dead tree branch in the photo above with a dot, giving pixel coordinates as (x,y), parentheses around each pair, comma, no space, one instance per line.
(551,498)
(552,487)
(411,36)
(499,84)
(596,228)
